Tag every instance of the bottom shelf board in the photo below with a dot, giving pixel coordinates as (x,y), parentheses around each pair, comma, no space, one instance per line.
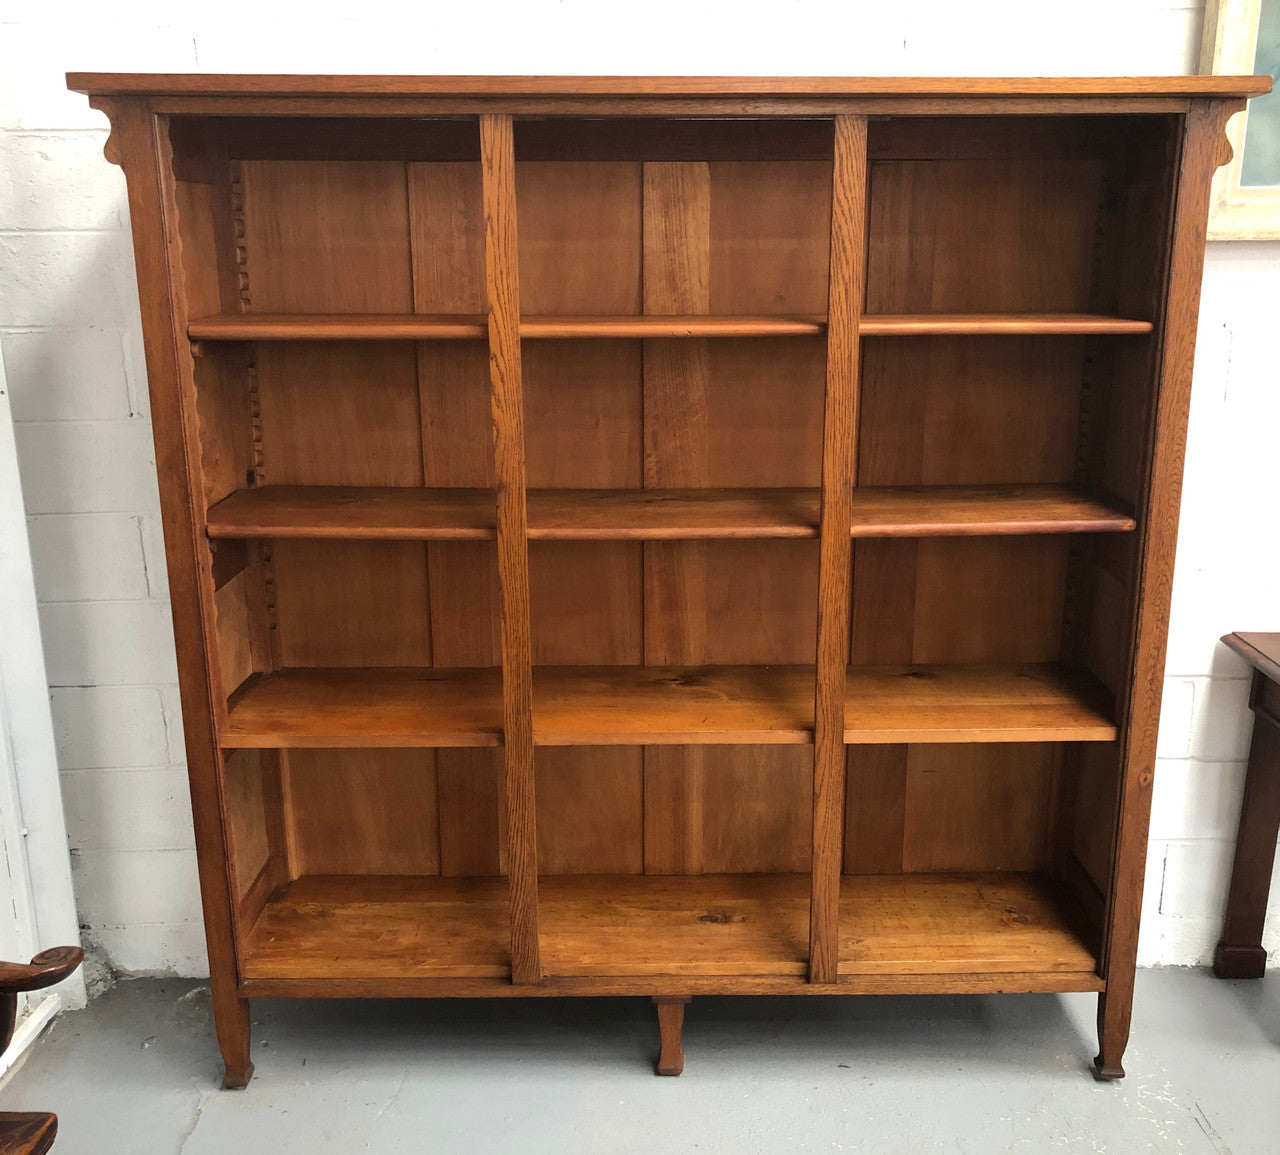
(637,926)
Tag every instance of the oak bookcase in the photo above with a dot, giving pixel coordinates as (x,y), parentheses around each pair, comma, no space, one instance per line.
(669,536)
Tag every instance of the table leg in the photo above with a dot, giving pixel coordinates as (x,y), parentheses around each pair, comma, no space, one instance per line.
(1240,954)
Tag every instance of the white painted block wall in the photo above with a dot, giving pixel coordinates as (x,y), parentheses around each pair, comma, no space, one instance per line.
(70,333)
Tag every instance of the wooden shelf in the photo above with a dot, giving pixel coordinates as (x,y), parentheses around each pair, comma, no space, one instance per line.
(945,923)
(465,326)
(982,510)
(671,326)
(671,514)
(603,926)
(994,324)
(355,513)
(642,705)
(337,327)
(554,514)
(975,704)
(319,708)
(657,514)
(413,327)
(364,926)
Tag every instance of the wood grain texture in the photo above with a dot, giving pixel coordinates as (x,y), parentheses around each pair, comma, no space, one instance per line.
(446,237)
(368,812)
(952,792)
(45,969)
(226,446)
(341,603)
(651,325)
(839,457)
(340,414)
(220,84)
(646,986)
(337,327)
(676,253)
(403,513)
(701,926)
(1240,953)
(1159,508)
(1260,650)
(460,326)
(502,280)
(628,705)
(369,641)
(633,107)
(248,837)
(875,809)
(955,407)
(770,237)
(328,236)
(447,234)
(728,413)
(587,602)
(670,1025)
(354,926)
(27,1132)
(950,236)
(996,599)
(579,238)
(580,253)
(140,151)
(993,324)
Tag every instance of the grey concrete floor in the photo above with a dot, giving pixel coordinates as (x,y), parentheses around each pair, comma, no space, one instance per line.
(138,1071)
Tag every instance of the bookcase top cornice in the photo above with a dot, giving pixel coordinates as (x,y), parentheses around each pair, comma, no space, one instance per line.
(631,87)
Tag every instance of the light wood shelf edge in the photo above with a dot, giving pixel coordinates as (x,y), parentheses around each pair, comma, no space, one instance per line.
(380,513)
(421,327)
(647,705)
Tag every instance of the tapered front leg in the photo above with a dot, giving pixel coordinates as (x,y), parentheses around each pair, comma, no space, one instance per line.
(231,1019)
(1115,1008)
(670,1026)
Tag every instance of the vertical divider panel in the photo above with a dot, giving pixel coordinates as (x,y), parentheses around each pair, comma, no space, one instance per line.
(502,285)
(835,576)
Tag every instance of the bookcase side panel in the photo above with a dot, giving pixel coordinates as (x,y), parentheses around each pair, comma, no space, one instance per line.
(139,144)
(1113,457)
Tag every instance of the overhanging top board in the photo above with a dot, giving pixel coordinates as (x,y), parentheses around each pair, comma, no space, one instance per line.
(622,87)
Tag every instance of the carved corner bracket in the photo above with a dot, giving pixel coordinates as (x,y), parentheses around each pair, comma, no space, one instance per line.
(111,146)
(1226,149)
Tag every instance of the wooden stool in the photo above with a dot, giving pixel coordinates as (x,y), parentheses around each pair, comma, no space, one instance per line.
(1240,954)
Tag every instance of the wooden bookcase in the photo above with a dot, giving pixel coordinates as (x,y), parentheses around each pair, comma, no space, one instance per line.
(661,537)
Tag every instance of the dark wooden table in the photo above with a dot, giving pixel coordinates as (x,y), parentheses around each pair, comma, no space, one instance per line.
(1240,954)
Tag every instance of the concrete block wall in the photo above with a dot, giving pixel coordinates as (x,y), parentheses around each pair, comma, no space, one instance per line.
(70,337)
(73,354)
